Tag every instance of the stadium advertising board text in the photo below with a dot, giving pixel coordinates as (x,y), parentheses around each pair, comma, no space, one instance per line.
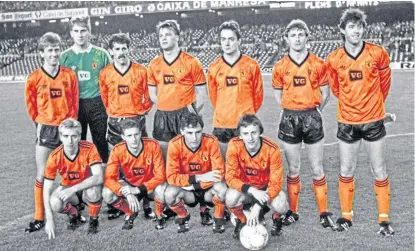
(44,14)
(172,6)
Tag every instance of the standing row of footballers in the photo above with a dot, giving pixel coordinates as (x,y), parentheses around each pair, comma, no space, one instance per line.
(358,74)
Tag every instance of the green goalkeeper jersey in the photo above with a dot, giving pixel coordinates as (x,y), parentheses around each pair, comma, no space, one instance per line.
(87,66)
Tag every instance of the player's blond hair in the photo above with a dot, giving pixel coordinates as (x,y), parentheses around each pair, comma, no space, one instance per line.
(169,24)
(70,124)
(297,24)
(83,21)
(250,119)
(121,38)
(231,25)
(48,39)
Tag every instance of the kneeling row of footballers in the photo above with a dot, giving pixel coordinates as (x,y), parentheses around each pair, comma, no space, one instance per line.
(194,172)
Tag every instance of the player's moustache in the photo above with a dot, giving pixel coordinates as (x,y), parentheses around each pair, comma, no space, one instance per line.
(121,56)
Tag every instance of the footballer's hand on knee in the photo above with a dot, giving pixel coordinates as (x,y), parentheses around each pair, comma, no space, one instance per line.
(126,190)
(259,195)
(67,193)
(390,117)
(50,229)
(252,217)
(133,203)
(212,176)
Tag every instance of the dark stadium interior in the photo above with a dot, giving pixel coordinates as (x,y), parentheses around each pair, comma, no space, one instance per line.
(262,32)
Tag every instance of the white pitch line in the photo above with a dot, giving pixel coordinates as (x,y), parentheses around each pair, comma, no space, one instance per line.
(16,221)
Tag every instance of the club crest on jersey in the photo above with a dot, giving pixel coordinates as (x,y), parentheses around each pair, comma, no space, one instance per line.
(368,63)
(205,158)
(168,79)
(180,71)
(55,93)
(94,65)
(299,81)
(194,167)
(264,164)
(74,176)
(148,161)
(43,87)
(231,81)
(123,89)
(134,81)
(66,84)
(251,172)
(243,73)
(138,171)
(355,75)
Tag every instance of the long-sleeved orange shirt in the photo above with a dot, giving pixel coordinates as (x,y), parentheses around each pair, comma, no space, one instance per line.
(360,83)
(234,90)
(72,171)
(183,164)
(175,81)
(125,95)
(300,83)
(264,170)
(145,171)
(50,100)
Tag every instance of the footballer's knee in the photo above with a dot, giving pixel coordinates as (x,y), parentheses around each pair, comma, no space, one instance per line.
(232,197)
(92,194)
(170,194)
(294,170)
(108,196)
(318,172)
(380,172)
(219,189)
(280,203)
(159,192)
(56,204)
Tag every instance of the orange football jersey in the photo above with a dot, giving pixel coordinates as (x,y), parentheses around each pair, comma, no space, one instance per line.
(300,83)
(125,95)
(234,90)
(175,81)
(50,100)
(361,84)
(263,170)
(145,171)
(72,171)
(183,164)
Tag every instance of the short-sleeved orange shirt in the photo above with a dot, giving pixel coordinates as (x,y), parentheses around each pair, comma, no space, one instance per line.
(300,83)
(145,171)
(72,171)
(361,84)
(175,81)
(50,100)
(264,169)
(183,164)
(234,90)
(125,95)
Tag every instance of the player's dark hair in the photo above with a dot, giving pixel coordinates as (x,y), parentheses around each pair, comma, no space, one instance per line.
(297,24)
(231,25)
(49,38)
(70,124)
(169,24)
(120,38)
(250,119)
(354,16)
(190,120)
(81,21)
(131,123)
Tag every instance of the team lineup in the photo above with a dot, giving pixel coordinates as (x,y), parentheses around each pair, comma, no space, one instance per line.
(234,170)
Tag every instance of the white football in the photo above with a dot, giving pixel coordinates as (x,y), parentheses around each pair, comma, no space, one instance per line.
(254,238)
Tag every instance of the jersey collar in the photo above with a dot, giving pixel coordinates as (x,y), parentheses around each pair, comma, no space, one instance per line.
(128,69)
(87,50)
(232,65)
(174,60)
(52,77)
(358,54)
(300,64)
(142,148)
